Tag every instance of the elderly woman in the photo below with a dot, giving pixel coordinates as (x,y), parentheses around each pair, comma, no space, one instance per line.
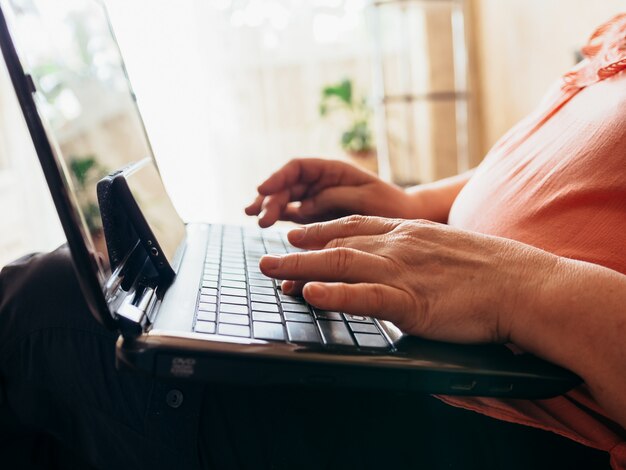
(533,253)
(556,181)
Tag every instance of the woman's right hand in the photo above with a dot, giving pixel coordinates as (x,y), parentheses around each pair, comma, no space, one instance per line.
(309,190)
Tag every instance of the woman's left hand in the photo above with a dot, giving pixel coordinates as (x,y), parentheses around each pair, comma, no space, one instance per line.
(429,279)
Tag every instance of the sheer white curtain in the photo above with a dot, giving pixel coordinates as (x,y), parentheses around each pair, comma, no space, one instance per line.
(230,89)
(28,220)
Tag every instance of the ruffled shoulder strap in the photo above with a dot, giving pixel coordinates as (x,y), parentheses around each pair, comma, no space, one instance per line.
(605,55)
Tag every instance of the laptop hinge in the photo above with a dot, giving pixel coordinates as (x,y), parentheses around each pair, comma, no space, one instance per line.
(132,314)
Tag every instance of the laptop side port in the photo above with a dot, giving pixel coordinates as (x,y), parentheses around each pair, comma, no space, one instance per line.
(462,385)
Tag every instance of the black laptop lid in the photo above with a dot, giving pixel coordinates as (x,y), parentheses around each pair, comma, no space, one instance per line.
(67,70)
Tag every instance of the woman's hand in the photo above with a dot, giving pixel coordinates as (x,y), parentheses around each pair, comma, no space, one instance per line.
(431,280)
(310,189)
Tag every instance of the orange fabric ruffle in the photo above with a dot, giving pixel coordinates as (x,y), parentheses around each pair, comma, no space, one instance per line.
(605,55)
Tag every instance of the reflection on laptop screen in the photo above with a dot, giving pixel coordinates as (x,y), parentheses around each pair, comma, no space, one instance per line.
(85,98)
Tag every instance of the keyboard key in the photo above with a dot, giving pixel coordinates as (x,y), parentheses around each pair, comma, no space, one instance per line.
(328,315)
(358,318)
(233,291)
(206,316)
(227,329)
(229,299)
(209,299)
(234,277)
(301,317)
(232,252)
(371,341)
(275,248)
(262,290)
(266,316)
(234,319)
(210,284)
(364,328)
(233,284)
(260,276)
(210,277)
(238,309)
(270,299)
(302,332)
(261,307)
(207,327)
(262,283)
(230,270)
(290,299)
(299,308)
(270,331)
(335,333)
(208,291)
(206,307)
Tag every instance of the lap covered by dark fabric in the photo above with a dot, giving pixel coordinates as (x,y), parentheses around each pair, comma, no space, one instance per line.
(58,367)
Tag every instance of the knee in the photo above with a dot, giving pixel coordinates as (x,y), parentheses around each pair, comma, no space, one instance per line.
(41,291)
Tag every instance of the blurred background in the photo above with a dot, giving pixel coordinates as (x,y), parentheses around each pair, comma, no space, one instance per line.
(232,89)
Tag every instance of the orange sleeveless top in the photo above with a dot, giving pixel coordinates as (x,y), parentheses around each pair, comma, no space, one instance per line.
(557,181)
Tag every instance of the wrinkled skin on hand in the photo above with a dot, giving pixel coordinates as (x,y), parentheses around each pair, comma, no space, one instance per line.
(429,279)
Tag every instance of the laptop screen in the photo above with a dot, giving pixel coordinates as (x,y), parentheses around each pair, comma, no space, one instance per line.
(85,99)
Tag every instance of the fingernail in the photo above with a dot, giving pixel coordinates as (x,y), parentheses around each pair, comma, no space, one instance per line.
(316,291)
(297,234)
(271,261)
(287,286)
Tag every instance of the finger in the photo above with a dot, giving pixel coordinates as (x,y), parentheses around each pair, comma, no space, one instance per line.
(340,264)
(255,207)
(277,203)
(293,288)
(331,199)
(316,236)
(376,300)
(313,172)
(368,243)
(329,204)
(272,207)
(295,171)
(292,214)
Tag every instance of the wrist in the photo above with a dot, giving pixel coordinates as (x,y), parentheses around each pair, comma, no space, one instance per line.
(433,201)
(547,319)
(424,202)
(530,288)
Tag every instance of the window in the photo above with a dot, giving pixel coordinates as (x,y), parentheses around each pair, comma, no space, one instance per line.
(28,221)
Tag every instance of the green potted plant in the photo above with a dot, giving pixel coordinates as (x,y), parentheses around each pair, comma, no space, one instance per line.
(357,140)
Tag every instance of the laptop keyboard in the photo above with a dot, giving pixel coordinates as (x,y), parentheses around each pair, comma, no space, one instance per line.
(236,299)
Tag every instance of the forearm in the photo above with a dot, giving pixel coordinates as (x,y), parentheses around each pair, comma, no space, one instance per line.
(432,201)
(577,319)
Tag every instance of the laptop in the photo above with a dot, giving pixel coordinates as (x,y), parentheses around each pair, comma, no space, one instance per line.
(189,300)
